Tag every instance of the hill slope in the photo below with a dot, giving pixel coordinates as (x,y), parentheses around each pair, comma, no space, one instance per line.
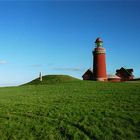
(53,79)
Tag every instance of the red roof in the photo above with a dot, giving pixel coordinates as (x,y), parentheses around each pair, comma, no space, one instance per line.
(98,40)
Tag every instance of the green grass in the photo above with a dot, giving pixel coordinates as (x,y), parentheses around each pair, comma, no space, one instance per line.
(79,110)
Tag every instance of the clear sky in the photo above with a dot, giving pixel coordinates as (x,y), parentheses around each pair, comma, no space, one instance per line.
(57,37)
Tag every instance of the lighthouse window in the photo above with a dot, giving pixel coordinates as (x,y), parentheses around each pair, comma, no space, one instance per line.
(99,44)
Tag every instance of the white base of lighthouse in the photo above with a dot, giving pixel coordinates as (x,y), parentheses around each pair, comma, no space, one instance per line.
(101,79)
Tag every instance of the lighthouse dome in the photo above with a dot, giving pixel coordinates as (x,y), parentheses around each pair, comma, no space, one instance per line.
(98,40)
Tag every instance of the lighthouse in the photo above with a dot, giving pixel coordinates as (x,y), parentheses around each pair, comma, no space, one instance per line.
(99,61)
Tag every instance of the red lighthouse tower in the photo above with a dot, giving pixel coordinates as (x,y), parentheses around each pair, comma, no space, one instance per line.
(99,66)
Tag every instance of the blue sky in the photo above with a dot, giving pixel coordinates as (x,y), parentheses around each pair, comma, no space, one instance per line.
(57,37)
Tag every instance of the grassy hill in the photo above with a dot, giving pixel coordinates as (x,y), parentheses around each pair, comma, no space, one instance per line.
(82,110)
(53,79)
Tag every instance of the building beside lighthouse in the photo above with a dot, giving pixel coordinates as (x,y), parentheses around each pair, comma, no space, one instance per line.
(99,72)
